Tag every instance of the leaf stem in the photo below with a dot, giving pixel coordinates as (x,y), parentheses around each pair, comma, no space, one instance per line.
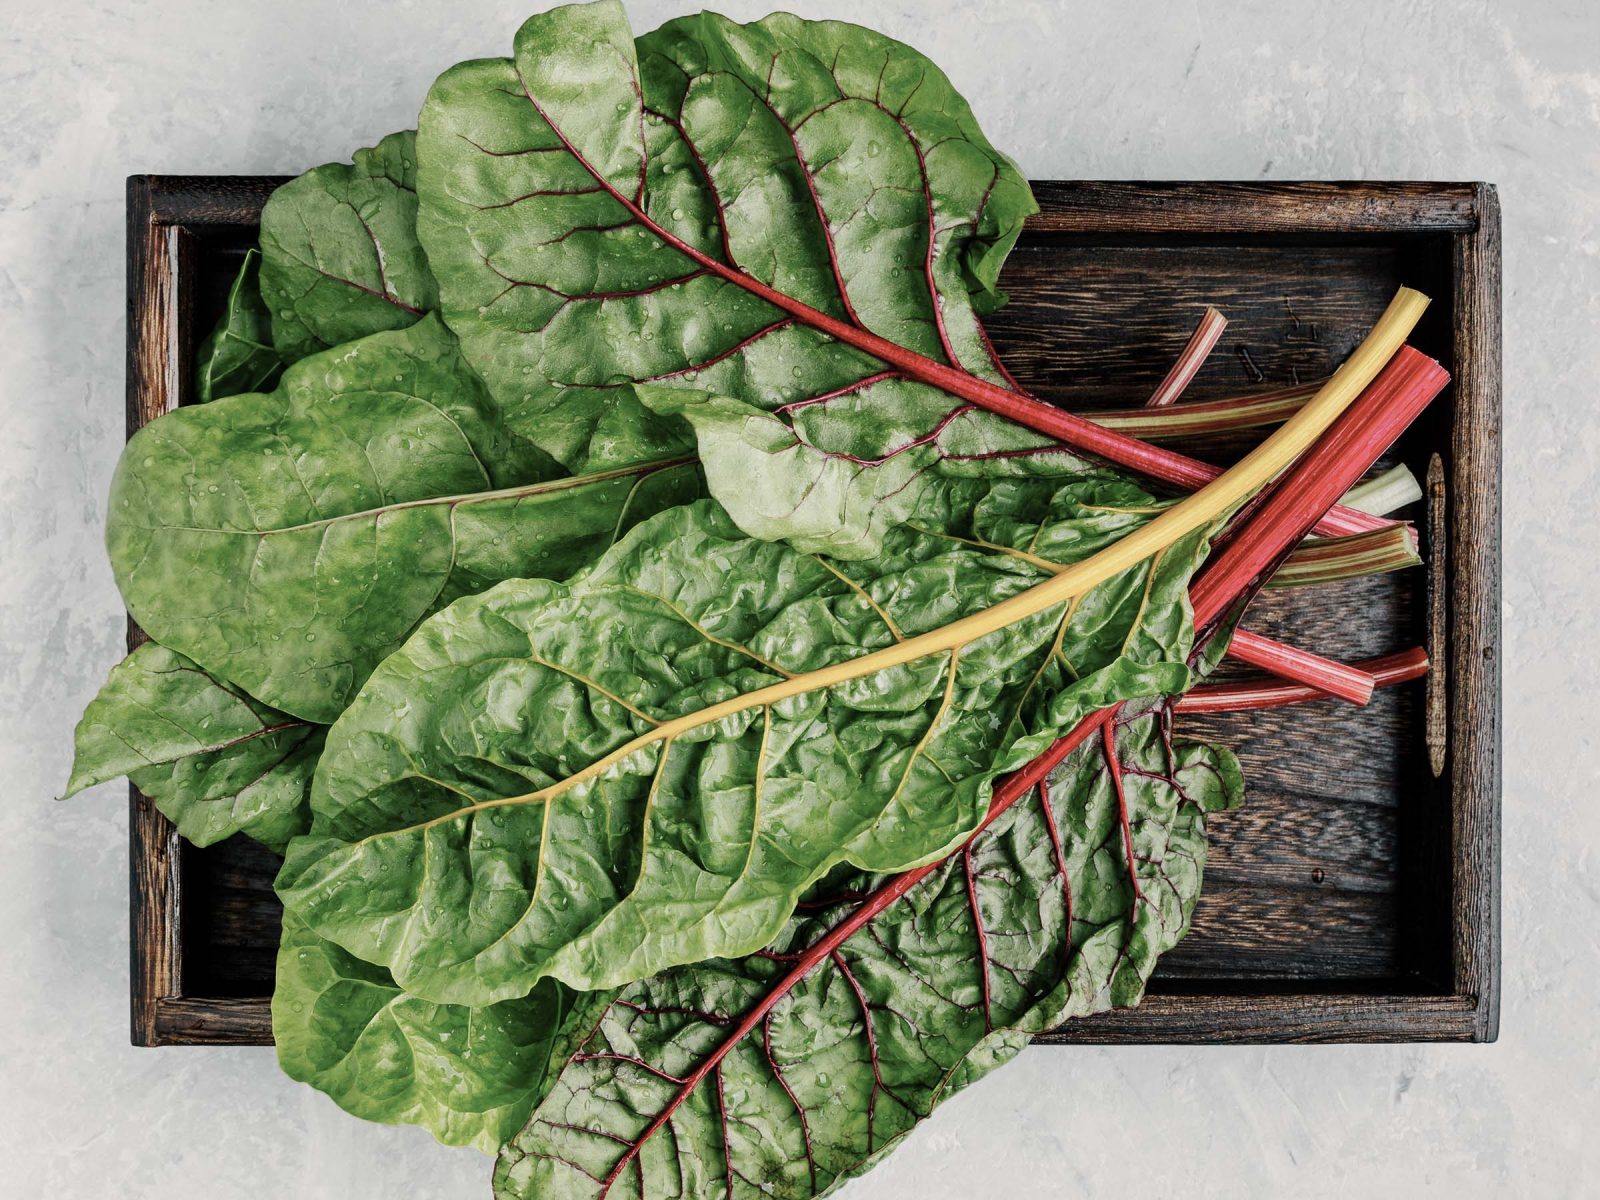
(1301,666)
(1201,342)
(1199,418)
(1248,695)
(1331,560)
(1289,510)
(1395,488)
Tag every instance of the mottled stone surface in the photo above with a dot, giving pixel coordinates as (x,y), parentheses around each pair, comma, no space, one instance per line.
(1288,89)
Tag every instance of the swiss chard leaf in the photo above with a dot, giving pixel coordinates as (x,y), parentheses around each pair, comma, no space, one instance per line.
(732,1078)
(649,765)
(289,541)
(340,257)
(215,761)
(469,1076)
(238,355)
(687,214)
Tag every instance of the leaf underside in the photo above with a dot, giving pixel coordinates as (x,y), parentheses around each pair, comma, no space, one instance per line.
(238,355)
(340,257)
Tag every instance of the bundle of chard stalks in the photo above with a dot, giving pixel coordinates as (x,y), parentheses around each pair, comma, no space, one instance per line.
(710,712)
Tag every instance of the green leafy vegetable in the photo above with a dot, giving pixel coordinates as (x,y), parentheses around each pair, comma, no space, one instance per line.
(469,1076)
(215,761)
(596,215)
(289,541)
(238,356)
(649,765)
(792,215)
(729,1077)
(597,732)
(340,257)
(778,484)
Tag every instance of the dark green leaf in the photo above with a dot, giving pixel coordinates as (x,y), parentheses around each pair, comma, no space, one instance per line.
(238,356)
(730,1078)
(340,257)
(596,216)
(588,781)
(289,541)
(468,1076)
(215,761)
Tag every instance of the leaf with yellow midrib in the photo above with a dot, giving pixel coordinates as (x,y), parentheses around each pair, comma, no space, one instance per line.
(502,816)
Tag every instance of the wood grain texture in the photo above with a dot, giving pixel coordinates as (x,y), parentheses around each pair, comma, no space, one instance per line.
(154,850)
(1092,324)
(1474,572)
(1355,896)
(1264,1018)
(1119,208)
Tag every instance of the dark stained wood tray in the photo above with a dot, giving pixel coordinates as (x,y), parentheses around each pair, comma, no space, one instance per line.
(1356,896)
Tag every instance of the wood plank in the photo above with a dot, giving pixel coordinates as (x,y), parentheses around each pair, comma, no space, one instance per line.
(1257,931)
(155,960)
(1328,749)
(1264,1018)
(1474,736)
(213,1021)
(1290,840)
(1162,208)
(1096,325)
(231,941)
(202,202)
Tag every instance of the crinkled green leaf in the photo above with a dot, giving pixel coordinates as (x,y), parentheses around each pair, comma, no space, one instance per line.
(340,258)
(289,541)
(238,356)
(468,1076)
(215,761)
(779,487)
(1034,923)
(540,782)
(595,215)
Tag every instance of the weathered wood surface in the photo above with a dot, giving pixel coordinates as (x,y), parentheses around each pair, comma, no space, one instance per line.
(1355,897)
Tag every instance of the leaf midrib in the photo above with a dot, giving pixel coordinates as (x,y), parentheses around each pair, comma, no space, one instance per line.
(460,500)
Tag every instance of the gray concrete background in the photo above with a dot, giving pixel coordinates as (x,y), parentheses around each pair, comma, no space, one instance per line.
(90,92)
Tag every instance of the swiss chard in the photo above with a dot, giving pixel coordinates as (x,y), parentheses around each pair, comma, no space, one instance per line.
(595,731)
(665,753)
(725,1078)
(238,355)
(289,541)
(214,760)
(340,258)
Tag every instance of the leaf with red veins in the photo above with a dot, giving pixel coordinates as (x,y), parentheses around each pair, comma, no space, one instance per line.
(728,1078)
(340,258)
(784,476)
(703,202)
(785,211)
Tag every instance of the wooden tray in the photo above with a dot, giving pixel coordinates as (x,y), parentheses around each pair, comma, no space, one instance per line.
(1356,896)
